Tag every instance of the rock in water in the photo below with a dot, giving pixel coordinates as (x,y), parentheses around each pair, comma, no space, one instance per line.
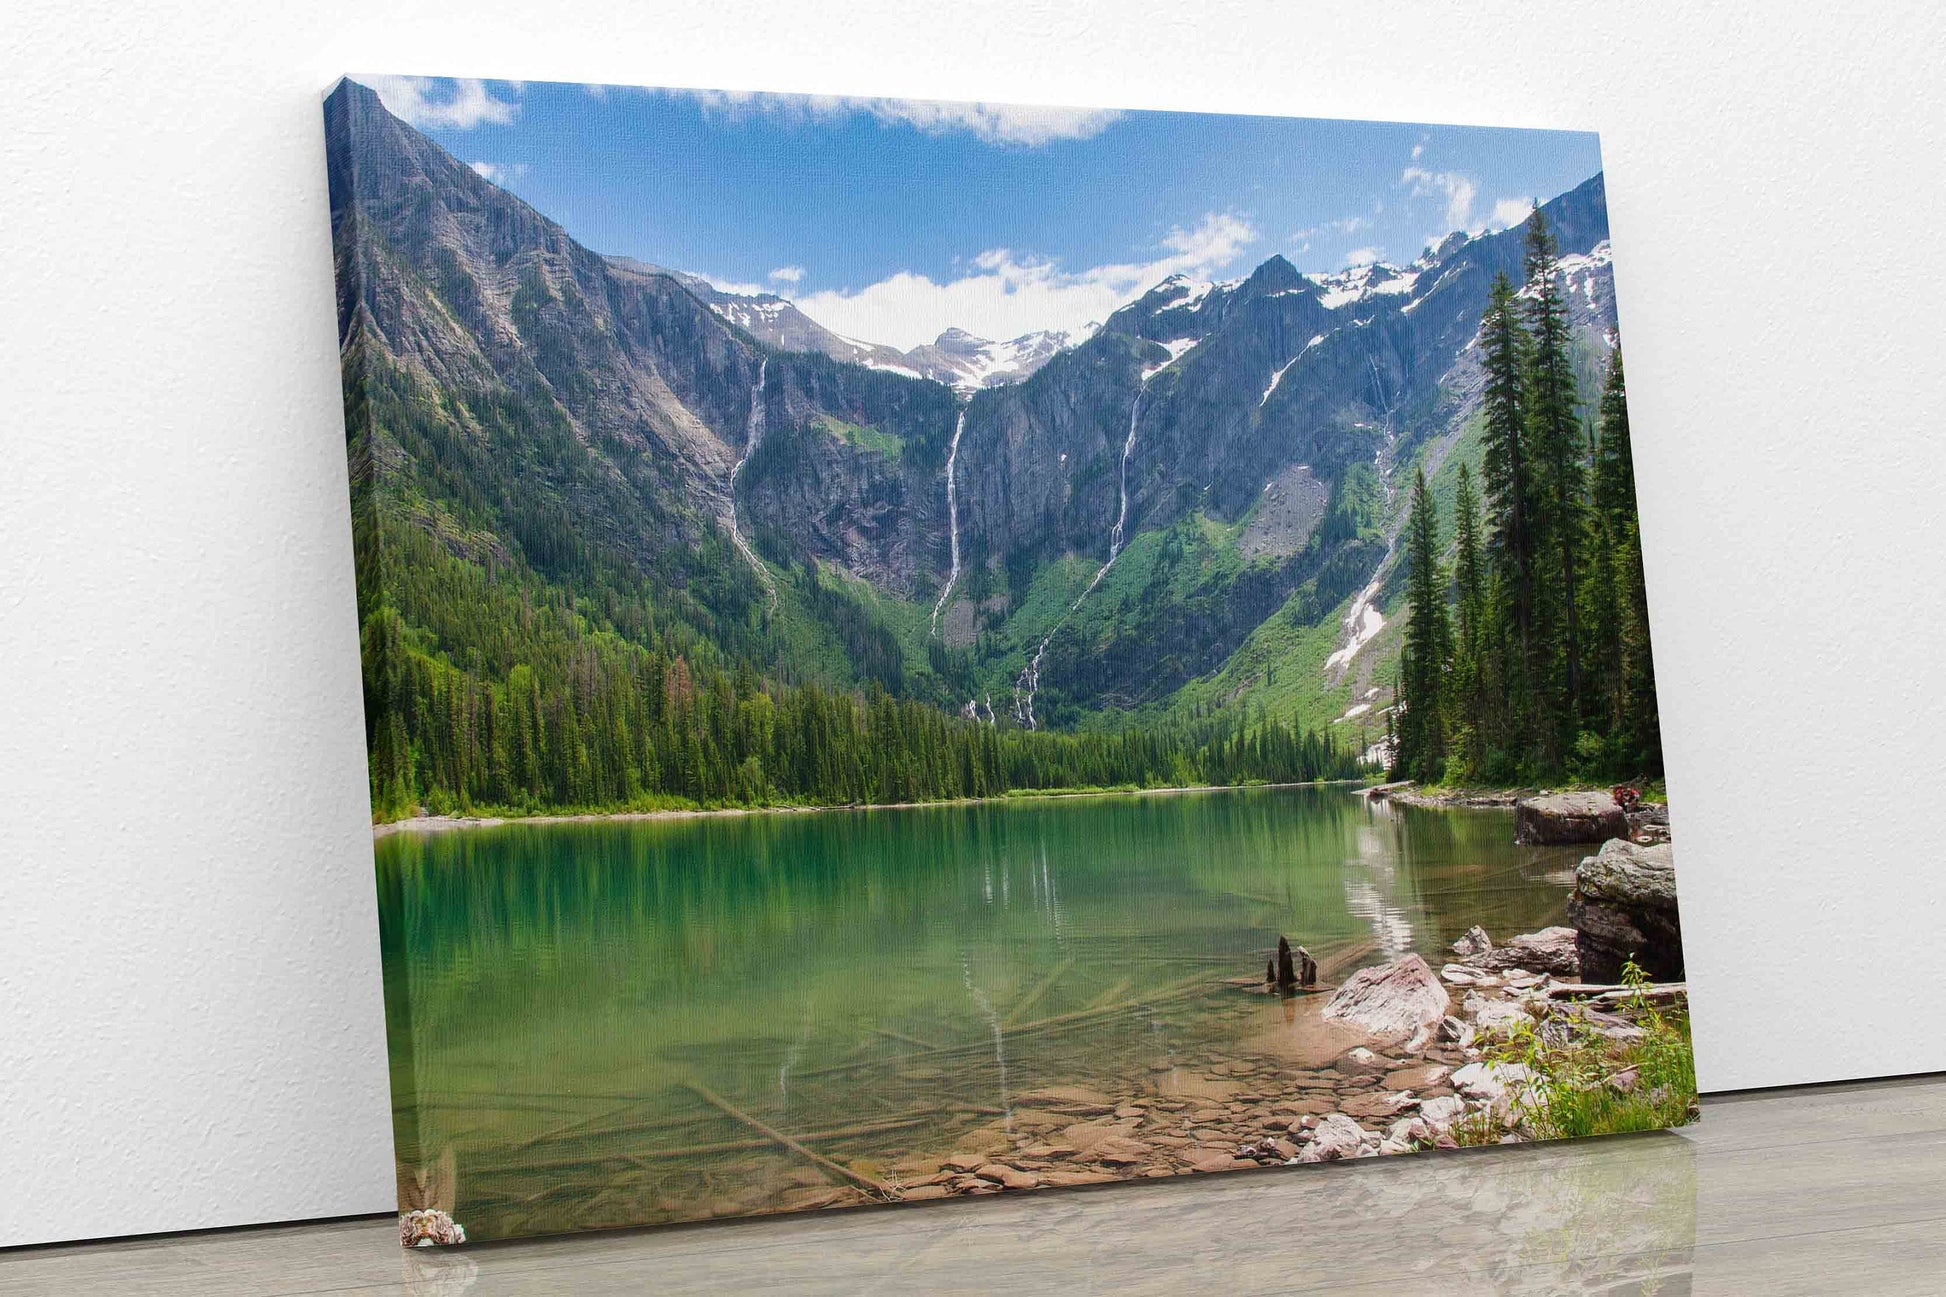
(1562,818)
(1551,950)
(1623,907)
(1307,968)
(1400,1003)
(1286,969)
(1474,943)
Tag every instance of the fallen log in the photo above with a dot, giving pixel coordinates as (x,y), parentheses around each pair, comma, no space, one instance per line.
(1606,991)
(1040,990)
(810,1155)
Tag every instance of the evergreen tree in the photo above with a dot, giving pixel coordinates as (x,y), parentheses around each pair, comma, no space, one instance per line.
(1507,473)
(1559,456)
(1428,645)
(1635,712)
(1468,705)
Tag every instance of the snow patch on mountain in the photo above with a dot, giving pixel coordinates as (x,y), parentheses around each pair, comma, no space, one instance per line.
(1278,377)
(1346,287)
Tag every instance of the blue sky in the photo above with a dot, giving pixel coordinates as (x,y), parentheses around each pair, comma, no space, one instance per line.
(890,220)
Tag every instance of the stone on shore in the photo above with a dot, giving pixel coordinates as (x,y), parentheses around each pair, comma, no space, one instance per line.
(1623,907)
(1008,1177)
(1442,1113)
(1558,819)
(1399,1003)
(1551,950)
(1474,943)
(1337,1137)
(1501,1018)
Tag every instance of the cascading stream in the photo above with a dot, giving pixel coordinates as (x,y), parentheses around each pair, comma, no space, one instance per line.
(1128,449)
(753,437)
(952,518)
(1029,681)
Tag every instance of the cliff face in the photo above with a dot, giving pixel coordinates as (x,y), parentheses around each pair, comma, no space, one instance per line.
(588,415)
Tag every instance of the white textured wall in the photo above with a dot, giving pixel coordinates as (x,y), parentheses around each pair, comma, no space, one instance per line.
(190,1020)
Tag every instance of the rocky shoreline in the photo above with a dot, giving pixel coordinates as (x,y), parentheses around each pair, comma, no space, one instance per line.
(1435,1085)
(429,823)
(1399,1058)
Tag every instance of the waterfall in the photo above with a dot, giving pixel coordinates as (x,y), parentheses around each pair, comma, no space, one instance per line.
(1128,449)
(752,437)
(952,518)
(1029,680)
(1363,623)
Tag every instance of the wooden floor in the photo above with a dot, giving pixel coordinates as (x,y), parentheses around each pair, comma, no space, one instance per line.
(1838,1189)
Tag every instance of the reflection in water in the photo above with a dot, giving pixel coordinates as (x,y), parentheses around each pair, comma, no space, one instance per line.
(556,994)
(1372,896)
(1614,1216)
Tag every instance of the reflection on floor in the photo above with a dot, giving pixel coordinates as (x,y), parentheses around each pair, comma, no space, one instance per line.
(1825,1190)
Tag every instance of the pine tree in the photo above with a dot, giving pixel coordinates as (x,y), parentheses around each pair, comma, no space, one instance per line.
(1615,507)
(1428,643)
(1559,456)
(1507,473)
(1468,704)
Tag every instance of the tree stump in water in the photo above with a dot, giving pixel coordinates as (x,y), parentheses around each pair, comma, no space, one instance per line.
(1293,968)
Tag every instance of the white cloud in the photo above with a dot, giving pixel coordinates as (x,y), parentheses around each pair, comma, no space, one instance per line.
(429,101)
(1343,225)
(1367,256)
(499,173)
(1509,212)
(787,275)
(727,285)
(1019,124)
(1459,191)
(1420,147)
(1007,293)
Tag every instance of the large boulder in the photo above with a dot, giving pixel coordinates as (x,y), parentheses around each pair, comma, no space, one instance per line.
(1400,1003)
(1624,907)
(1551,950)
(1558,819)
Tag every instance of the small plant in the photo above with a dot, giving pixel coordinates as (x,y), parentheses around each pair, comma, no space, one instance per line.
(1585,1083)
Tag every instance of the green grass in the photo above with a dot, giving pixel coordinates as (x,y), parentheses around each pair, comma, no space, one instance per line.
(1576,1073)
(1652,790)
(863,436)
(1280,666)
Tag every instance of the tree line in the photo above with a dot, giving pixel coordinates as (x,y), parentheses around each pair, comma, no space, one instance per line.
(1528,658)
(549,709)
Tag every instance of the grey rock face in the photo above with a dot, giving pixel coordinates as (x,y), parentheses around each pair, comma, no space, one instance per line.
(1623,907)
(1563,818)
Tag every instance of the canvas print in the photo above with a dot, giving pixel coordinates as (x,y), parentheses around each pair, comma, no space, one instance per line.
(916,650)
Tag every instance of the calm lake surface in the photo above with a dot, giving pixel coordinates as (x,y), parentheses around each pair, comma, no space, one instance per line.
(593,1018)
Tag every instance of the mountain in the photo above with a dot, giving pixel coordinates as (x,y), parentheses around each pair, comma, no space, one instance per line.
(1187,510)
(956,358)
(776,321)
(967,363)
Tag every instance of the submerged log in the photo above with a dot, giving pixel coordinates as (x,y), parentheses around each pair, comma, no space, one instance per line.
(776,1136)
